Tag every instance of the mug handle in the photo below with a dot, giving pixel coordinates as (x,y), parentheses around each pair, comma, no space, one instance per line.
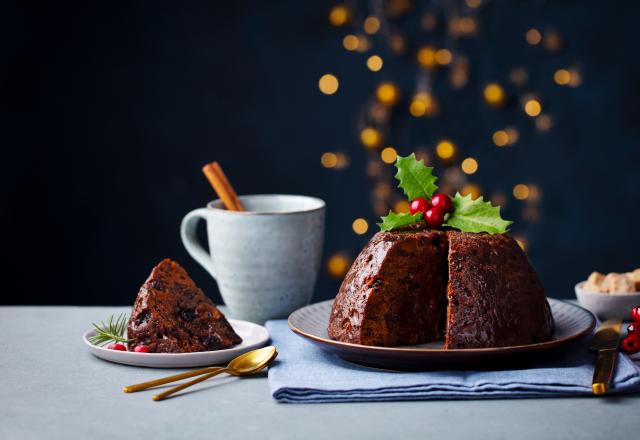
(190,238)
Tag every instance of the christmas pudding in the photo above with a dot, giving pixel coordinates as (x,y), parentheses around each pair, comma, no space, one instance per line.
(445,270)
(172,315)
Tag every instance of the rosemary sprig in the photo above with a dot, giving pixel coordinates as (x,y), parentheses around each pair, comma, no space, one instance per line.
(112,331)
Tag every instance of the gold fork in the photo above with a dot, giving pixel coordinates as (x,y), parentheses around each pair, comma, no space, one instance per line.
(168,379)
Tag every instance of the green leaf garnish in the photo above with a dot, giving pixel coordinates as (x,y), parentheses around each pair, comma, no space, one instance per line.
(113,330)
(476,216)
(415,177)
(395,221)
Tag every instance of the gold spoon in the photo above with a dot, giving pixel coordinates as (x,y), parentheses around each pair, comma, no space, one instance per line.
(243,365)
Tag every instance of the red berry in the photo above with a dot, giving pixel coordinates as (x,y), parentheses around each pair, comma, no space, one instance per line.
(442,202)
(434,217)
(141,349)
(419,205)
(635,314)
(632,329)
(630,344)
(118,347)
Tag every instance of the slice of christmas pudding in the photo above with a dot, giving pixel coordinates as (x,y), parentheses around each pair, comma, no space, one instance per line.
(172,315)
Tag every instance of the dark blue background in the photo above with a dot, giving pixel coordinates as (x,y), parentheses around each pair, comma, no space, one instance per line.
(111,109)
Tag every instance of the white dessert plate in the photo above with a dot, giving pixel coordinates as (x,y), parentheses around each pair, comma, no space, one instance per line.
(572,323)
(253,336)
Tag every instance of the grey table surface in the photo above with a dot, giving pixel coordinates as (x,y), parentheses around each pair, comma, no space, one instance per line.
(52,387)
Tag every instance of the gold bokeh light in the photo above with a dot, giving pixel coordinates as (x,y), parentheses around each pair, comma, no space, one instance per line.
(374,168)
(350,42)
(360,226)
(500,138)
(328,84)
(494,95)
(533,36)
(374,63)
(464,26)
(445,149)
(388,155)
(339,15)
(423,104)
(552,41)
(388,93)
(575,79)
(469,165)
(329,160)
(401,207)
(370,137)
(397,43)
(363,44)
(429,22)
(338,265)
(519,76)
(417,108)
(521,191)
(342,161)
(544,122)
(534,193)
(472,189)
(512,134)
(532,107)
(459,74)
(382,190)
(371,25)
(562,77)
(508,136)
(427,56)
(443,57)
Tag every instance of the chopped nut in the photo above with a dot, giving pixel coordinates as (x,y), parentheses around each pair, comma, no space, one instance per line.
(594,283)
(619,283)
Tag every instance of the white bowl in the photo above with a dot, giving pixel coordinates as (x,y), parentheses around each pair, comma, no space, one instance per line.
(608,305)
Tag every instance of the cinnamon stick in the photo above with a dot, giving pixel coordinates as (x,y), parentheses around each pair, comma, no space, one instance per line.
(222,187)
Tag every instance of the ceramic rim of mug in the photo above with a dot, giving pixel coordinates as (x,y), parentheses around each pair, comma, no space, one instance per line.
(217,205)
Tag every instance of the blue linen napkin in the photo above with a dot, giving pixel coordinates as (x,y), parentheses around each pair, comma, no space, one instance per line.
(303,373)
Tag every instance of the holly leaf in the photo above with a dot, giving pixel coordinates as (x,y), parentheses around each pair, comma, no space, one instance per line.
(395,221)
(415,177)
(476,216)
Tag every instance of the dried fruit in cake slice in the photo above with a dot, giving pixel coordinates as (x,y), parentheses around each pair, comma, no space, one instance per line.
(172,315)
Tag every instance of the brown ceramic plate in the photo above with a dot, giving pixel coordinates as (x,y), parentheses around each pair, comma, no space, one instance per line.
(572,324)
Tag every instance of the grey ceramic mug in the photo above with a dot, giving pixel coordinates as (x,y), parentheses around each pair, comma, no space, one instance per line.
(266,259)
